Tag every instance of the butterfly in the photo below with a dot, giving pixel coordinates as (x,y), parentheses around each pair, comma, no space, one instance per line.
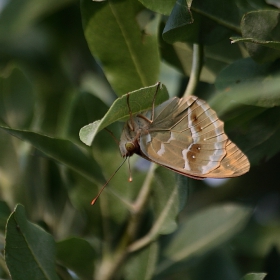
(184,135)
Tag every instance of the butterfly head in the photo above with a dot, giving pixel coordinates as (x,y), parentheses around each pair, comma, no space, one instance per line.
(128,148)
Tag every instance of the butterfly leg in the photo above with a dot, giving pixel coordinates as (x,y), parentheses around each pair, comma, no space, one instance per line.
(153,107)
(131,123)
(154,100)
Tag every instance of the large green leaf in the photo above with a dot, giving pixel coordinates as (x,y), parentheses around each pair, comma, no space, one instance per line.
(123,38)
(64,151)
(204,231)
(261,34)
(139,101)
(29,250)
(78,255)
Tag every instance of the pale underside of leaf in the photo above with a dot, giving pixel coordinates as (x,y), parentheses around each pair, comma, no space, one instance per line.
(139,101)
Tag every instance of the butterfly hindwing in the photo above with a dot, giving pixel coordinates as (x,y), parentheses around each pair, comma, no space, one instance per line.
(187,136)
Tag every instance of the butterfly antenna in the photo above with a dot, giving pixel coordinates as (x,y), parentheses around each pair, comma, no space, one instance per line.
(113,136)
(130,174)
(99,193)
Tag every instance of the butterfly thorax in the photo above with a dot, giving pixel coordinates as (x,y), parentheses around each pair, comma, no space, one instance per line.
(129,141)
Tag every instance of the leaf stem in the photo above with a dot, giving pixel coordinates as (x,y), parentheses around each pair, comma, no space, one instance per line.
(196,69)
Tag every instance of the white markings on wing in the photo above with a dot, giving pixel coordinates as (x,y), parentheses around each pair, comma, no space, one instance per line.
(171,138)
(184,153)
(161,151)
(148,138)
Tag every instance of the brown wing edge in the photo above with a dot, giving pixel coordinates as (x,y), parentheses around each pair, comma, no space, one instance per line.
(234,164)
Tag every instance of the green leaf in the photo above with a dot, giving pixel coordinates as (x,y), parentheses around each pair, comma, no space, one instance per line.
(261,34)
(159,6)
(254,276)
(64,151)
(247,82)
(179,26)
(141,264)
(198,23)
(204,231)
(128,50)
(77,255)
(139,101)
(29,250)
(167,197)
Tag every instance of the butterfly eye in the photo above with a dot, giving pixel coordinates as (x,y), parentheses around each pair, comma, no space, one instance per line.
(130,147)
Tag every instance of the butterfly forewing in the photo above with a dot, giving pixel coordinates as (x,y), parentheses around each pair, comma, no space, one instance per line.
(186,136)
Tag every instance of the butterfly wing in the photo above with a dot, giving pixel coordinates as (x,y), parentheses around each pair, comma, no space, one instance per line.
(188,137)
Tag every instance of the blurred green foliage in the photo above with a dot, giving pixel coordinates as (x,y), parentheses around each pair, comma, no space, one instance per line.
(62,64)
